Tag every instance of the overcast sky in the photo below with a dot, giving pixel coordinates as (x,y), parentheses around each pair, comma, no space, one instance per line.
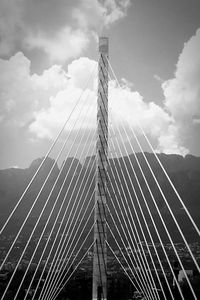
(48,48)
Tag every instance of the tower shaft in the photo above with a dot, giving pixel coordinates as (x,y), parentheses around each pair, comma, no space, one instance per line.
(100,256)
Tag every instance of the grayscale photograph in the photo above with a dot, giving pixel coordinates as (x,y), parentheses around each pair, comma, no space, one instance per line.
(99,149)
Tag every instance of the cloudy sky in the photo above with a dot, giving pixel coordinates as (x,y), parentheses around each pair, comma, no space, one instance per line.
(48,48)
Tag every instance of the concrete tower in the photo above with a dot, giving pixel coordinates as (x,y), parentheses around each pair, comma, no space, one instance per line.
(100,259)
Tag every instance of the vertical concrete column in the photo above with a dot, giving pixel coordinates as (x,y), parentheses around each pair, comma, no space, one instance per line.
(100,256)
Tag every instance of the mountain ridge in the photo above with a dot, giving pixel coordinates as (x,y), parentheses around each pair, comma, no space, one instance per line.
(183,171)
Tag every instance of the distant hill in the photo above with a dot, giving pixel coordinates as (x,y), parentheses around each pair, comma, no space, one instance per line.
(183,171)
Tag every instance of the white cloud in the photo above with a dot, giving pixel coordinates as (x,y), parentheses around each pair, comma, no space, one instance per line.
(97,14)
(182,93)
(129,106)
(126,105)
(48,121)
(61,29)
(23,94)
(41,103)
(115,10)
(170,141)
(16,98)
(54,78)
(67,43)
(81,69)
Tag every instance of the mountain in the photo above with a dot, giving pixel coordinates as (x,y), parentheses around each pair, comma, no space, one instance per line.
(79,184)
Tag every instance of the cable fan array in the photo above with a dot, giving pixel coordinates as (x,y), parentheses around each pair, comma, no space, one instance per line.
(138,230)
(136,184)
(65,222)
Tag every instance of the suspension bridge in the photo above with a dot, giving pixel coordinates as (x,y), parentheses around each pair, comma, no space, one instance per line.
(106,207)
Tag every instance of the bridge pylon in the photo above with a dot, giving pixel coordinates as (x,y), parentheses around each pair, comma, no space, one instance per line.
(100,254)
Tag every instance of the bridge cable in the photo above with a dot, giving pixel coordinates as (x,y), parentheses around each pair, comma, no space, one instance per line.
(147,246)
(47,154)
(116,171)
(66,210)
(63,267)
(160,282)
(148,270)
(61,223)
(55,297)
(143,197)
(55,292)
(171,183)
(125,223)
(80,186)
(125,220)
(161,165)
(47,222)
(54,282)
(68,188)
(27,216)
(147,227)
(187,248)
(161,191)
(143,267)
(71,222)
(91,182)
(41,189)
(113,252)
(64,256)
(169,236)
(128,156)
(127,215)
(148,296)
(140,285)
